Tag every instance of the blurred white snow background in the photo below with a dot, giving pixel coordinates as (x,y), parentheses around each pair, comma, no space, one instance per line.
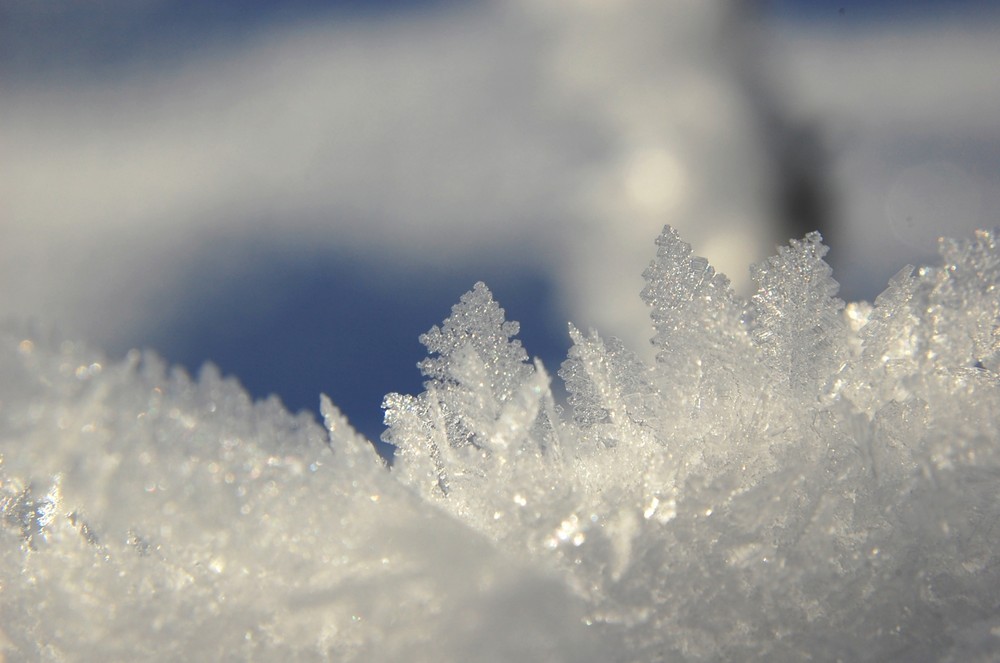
(172,176)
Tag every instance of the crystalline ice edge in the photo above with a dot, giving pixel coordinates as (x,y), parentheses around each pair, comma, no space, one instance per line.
(794,477)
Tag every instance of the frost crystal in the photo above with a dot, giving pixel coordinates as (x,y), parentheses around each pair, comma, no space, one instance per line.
(486,416)
(793,478)
(609,388)
(796,320)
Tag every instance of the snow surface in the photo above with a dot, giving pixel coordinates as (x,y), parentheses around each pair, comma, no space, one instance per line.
(793,478)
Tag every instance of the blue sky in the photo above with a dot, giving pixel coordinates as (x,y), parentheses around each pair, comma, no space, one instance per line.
(860,11)
(296,194)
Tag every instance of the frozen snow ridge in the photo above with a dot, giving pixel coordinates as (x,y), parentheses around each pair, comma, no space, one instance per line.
(794,478)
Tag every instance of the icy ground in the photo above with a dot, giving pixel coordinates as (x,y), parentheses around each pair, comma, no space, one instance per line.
(794,479)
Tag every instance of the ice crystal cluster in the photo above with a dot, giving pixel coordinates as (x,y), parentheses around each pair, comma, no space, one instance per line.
(792,479)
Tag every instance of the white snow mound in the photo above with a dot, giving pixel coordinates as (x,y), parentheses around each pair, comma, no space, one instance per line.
(793,478)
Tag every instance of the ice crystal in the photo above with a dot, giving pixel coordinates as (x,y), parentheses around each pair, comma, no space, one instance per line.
(797,321)
(486,417)
(793,478)
(609,388)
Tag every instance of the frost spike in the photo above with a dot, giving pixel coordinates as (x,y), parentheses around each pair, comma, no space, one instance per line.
(967,309)
(796,318)
(701,343)
(343,438)
(438,440)
(689,302)
(477,322)
(485,413)
(600,380)
(520,411)
(892,344)
(554,450)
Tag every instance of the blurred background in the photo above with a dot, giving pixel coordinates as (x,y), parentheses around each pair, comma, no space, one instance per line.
(296,191)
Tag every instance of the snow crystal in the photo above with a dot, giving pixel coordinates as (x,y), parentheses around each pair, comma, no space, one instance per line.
(797,321)
(793,477)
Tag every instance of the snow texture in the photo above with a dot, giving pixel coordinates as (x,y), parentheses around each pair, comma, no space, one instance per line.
(793,479)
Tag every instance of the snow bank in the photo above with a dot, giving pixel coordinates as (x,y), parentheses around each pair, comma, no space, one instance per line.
(793,477)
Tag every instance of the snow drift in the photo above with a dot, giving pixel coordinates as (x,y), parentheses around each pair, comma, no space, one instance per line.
(793,477)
